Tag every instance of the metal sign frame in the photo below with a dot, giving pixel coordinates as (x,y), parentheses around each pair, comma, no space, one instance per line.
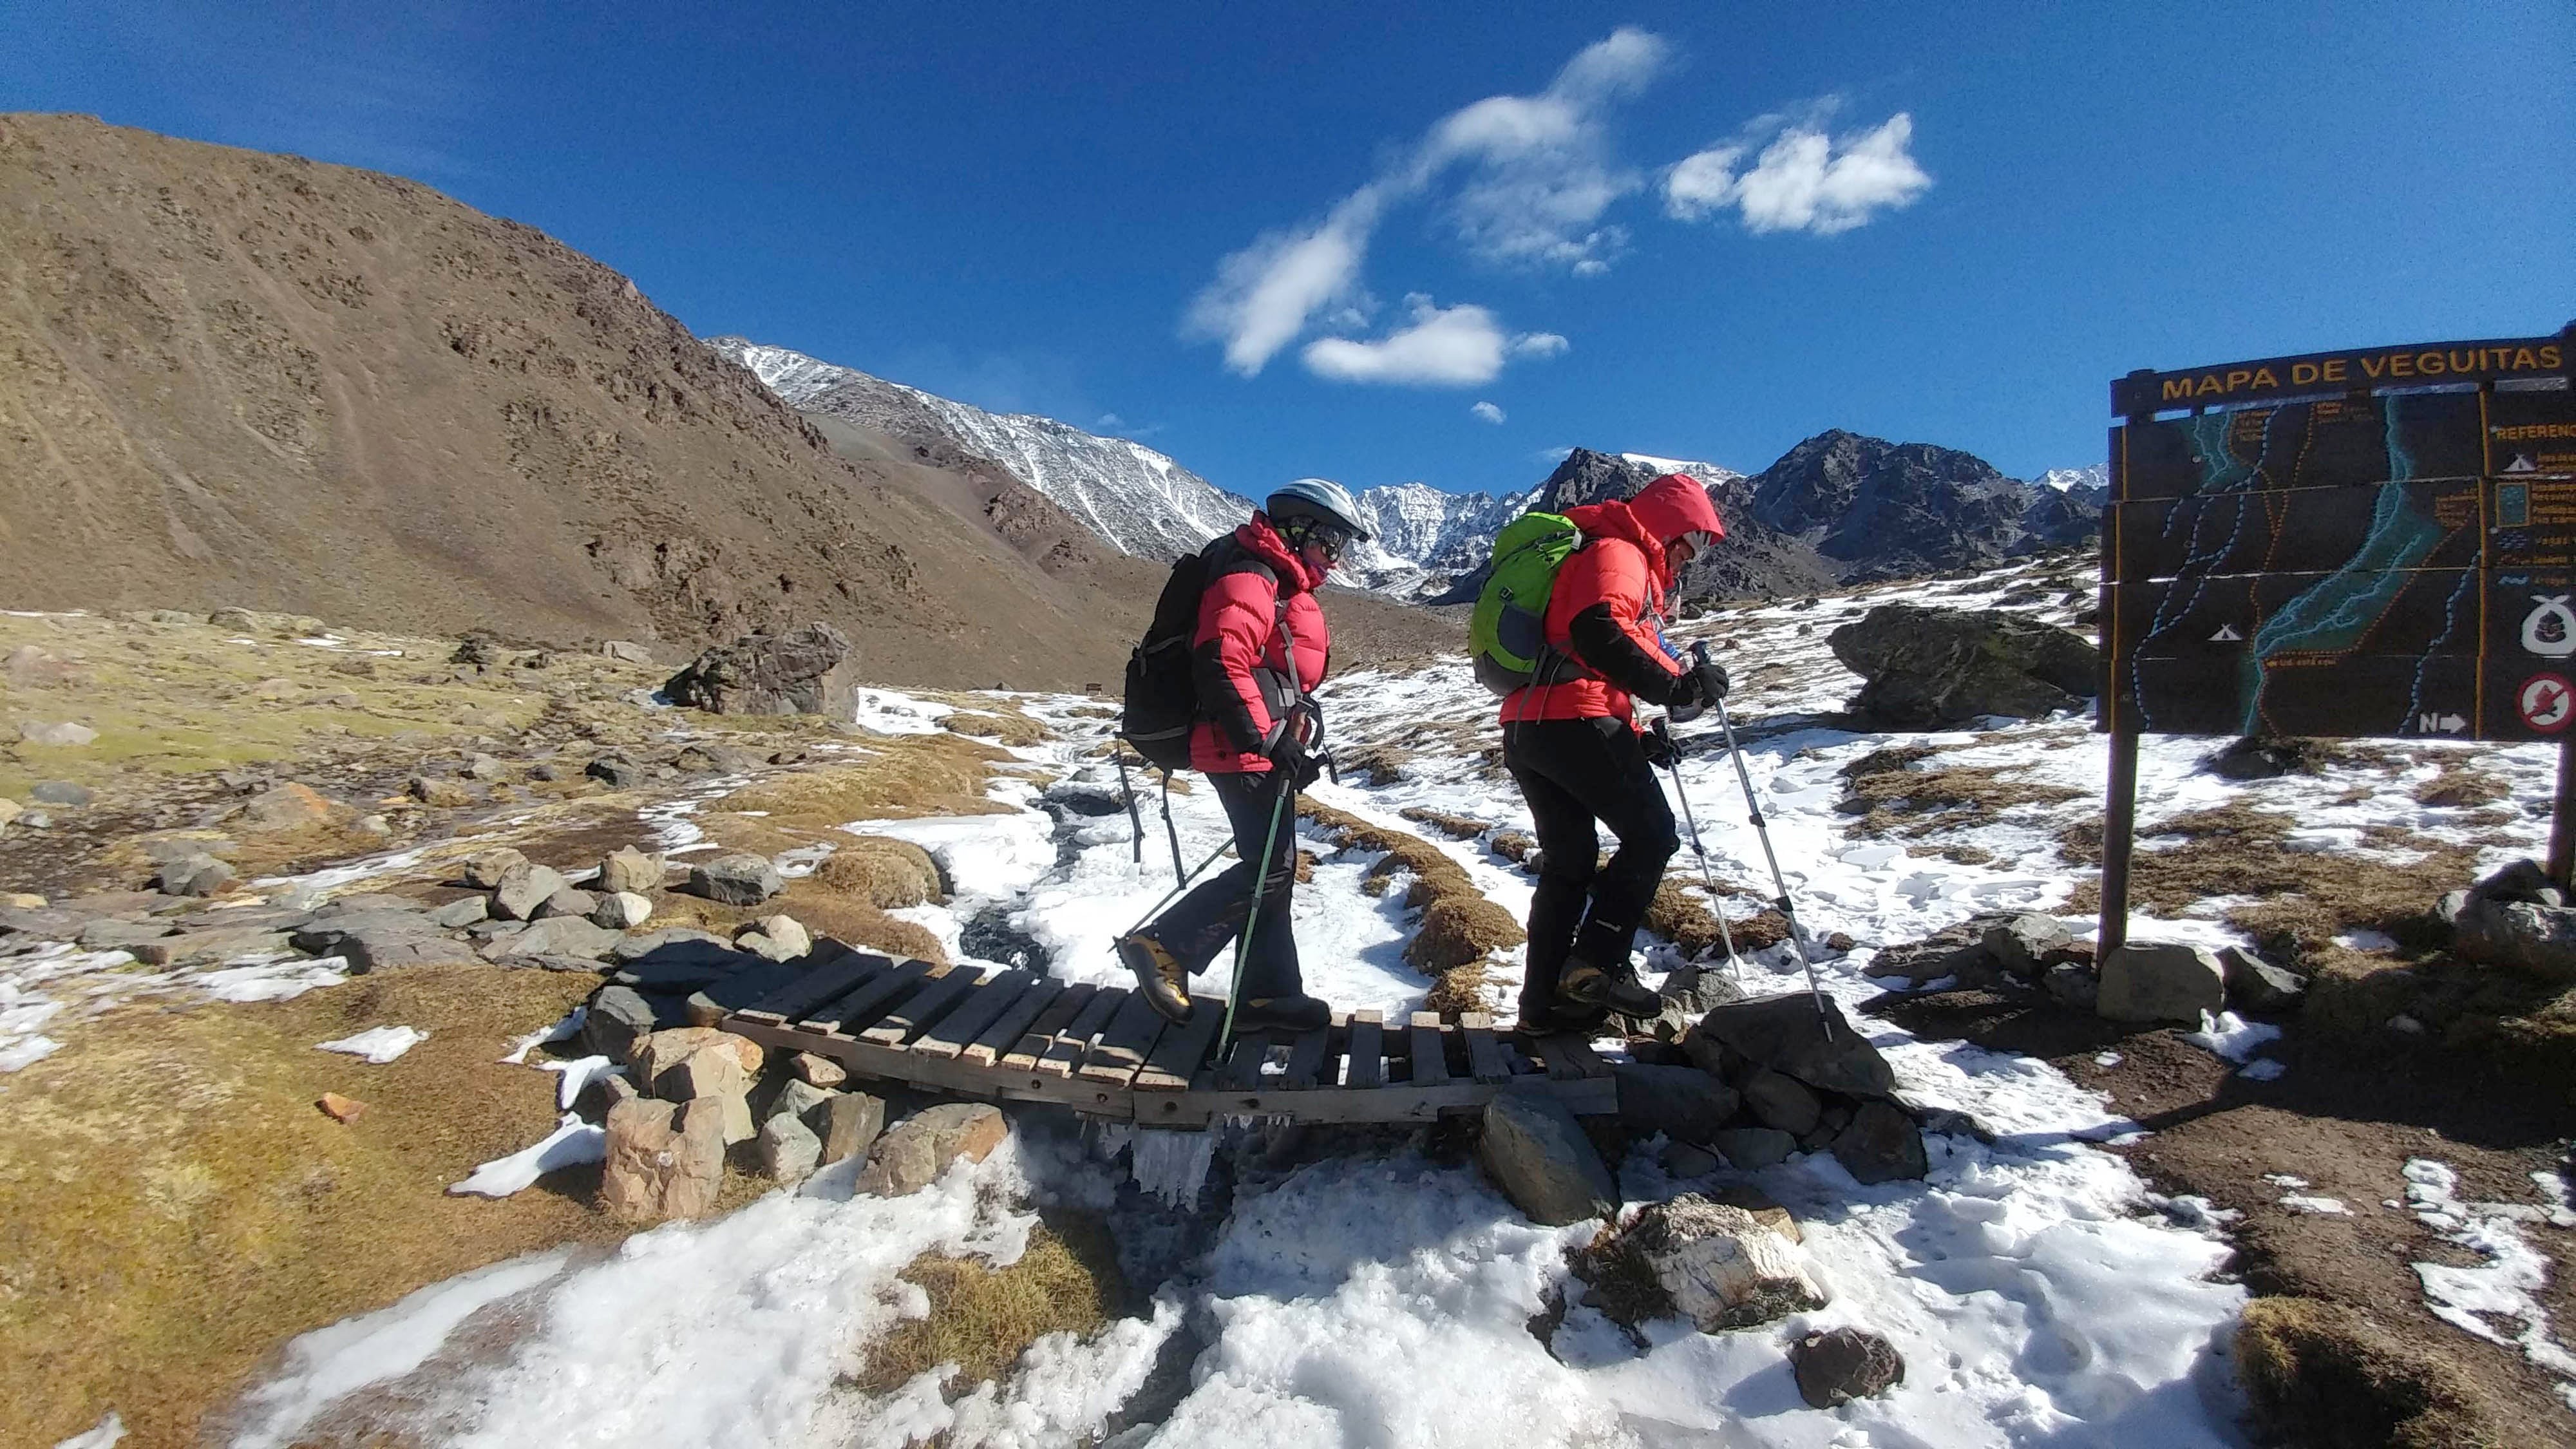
(2351,562)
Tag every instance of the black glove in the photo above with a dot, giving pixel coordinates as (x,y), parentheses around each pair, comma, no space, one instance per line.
(1287,754)
(1713,683)
(1689,694)
(1659,749)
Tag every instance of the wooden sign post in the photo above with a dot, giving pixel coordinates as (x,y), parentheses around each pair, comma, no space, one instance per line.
(2372,543)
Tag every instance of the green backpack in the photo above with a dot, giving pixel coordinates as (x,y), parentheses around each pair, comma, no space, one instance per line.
(1508,631)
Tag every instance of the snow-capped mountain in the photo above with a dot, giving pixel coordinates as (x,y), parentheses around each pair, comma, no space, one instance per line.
(1423,536)
(1139,500)
(2092,477)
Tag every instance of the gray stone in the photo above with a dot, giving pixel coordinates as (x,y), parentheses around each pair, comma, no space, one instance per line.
(2158,982)
(195,875)
(459,913)
(2073,985)
(363,903)
(789,1150)
(484,767)
(219,944)
(626,651)
(1789,1035)
(601,1094)
(914,1154)
(1723,1267)
(1754,1148)
(2258,986)
(524,887)
(2519,934)
(1958,950)
(736,880)
(614,771)
(1695,988)
(61,734)
(115,935)
(1537,1153)
(1933,668)
(485,869)
(782,938)
(1839,1365)
(1681,1159)
(797,1096)
(618,1017)
(1781,1101)
(567,901)
(809,670)
(673,941)
(630,870)
(848,1123)
(822,1071)
(621,911)
(557,936)
(487,930)
(1684,1103)
(387,950)
(2029,944)
(1880,1144)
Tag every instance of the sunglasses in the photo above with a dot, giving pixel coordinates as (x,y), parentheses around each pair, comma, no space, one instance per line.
(1328,538)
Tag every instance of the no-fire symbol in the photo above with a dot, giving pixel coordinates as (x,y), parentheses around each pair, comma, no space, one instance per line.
(2547,702)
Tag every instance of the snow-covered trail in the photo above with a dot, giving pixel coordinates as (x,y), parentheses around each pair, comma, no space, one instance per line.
(2038,1292)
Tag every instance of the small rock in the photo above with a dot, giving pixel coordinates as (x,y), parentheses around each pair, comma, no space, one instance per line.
(2073,985)
(615,772)
(601,1094)
(736,880)
(1724,1267)
(2259,986)
(2405,1025)
(848,1123)
(285,807)
(460,913)
(626,651)
(195,875)
(522,889)
(2161,983)
(438,794)
(341,1109)
(484,869)
(1754,1148)
(917,1151)
(664,1052)
(1958,950)
(619,1016)
(2028,944)
(378,949)
(795,1096)
(59,792)
(1792,1035)
(1880,1144)
(789,1150)
(1780,1101)
(22,901)
(485,767)
(1539,1155)
(568,900)
(820,1070)
(62,735)
(115,935)
(779,938)
(1683,1160)
(630,870)
(663,1161)
(1842,1364)
(621,911)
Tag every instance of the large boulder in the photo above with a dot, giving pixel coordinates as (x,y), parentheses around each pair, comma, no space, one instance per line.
(630,870)
(524,888)
(912,1156)
(1881,1144)
(849,1124)
(2257,985)
(1790,1035)
(1540,1157)
(1934,668)
(1724,1267)
(810,670)
(665,1160)
(736,880)
(1839,1365)
(2160,982)
(1684,1103)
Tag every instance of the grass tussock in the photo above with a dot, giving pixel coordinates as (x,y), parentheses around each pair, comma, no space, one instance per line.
(1013,728)
(1513,845)
(1456,827)
(2322,1373)
(1460,990)
(1900,799)
(907,776)
(1461,930)
(1434,874)
(2456,786)
(177,1207)
(982,1318)
(1373,764)
(888,874)
(819,908)
(1681,916)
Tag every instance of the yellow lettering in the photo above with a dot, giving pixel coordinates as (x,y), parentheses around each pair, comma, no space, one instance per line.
(2523,360)
(2477,362)
(2549,356)
(2334,369)
(2429,363)
(2302,373)
(2208,385)
(2368,369)
(2400,365)
(2263,378)
(2238,378)
(2177,389)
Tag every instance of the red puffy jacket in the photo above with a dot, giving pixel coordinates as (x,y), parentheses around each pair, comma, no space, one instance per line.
(1605,611)
(1239,656)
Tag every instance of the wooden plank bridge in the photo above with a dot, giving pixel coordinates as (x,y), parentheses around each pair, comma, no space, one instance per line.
(1105,1052)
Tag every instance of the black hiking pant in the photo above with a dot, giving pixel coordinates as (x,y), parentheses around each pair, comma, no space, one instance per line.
(1574,772)
(1199,924)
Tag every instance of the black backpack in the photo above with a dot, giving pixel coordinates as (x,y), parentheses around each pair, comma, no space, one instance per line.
(1162,699)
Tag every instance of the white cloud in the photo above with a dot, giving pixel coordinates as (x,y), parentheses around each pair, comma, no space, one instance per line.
(1804,180)
(1487,411)
(1539,344)
(1459,346)
(1538,175)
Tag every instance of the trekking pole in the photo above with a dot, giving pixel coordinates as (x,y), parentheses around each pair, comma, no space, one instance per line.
(1707,877)
(1135,820)
(1181,885)
(1753,808)
(1243,943)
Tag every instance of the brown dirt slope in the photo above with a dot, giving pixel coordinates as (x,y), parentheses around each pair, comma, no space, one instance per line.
(236,378)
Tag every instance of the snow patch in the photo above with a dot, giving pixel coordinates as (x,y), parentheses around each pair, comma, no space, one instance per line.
(378,1044)
(572,1143)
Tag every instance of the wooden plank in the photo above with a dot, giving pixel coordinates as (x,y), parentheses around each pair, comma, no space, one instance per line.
(1484,1054)
(1585,1062)
(997,1039)
(1367,1069)
(1306,1058)
(923,1007)
(818,986)
(961,1025)
(863,1006)
(1041,1034)
(1073,1043)
(1430,1060)
(1125,1042)
(1555,1052)
(951,1075)
(1242,1066)
(1584,1096)
(1182,1051)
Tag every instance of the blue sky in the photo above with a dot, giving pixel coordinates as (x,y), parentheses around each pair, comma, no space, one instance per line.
(1317,239)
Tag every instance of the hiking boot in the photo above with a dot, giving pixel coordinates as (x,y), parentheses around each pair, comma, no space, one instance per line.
(1282,1013)
(1561,1019)
(1160,977)
(1592,988)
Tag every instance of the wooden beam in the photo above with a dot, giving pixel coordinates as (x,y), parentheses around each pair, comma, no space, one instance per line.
(1074,1042)
(816,987)
(924,1007)
(1182,1051)
(853,1012)
(1041,1034)
(1430,1057)
(1367,1051)
(961,1026)
(1484,1054)
(997,1039)
(1125,1042)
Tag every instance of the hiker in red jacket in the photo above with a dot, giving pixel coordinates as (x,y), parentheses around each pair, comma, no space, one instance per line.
(1260,650)
(1572,743)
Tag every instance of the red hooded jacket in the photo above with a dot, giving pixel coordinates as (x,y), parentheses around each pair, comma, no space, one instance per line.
(1239,656)
(1606,608)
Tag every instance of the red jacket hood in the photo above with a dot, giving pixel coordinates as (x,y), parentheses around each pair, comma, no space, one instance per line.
(1674,505)
(1615,519)
(1265,544)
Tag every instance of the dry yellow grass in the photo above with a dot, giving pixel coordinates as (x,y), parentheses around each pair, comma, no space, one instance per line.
(982,1318)
(904,777)
(819,908)
(1456,827)
(1920,802)
(885,873)
(177,1207)
(1013,728)
(1461,930)
(2322,1373)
